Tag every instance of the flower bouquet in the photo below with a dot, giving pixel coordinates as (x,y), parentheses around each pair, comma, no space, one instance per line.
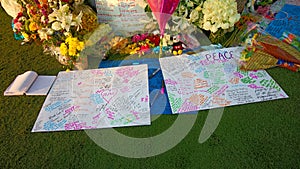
(61,26)
(216,17)
(222,20)
(179,37)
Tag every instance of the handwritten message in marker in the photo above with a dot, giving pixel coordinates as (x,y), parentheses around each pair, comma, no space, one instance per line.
(287,19)
(123,15)
(102,100)
(213,79)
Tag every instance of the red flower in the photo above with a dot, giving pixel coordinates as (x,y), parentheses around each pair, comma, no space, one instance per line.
(145,47)
(16,20)
(20,14)
(154,39)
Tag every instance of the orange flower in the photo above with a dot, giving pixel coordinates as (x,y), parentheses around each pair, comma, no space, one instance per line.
(33,26)
(33,36)
(43,1)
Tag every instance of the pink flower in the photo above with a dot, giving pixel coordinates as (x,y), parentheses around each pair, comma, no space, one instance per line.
(263,10)
(144,36)
(137,38)
(18,26)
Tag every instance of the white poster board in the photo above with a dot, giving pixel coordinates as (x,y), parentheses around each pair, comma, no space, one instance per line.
(213,79)
(96,98)
(123,15)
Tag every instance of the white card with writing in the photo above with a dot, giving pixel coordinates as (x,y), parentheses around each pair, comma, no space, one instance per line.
(96,98)
(123,15)
(213,79)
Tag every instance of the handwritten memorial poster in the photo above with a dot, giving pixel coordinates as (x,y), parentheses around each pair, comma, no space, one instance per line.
(123,15)
(213,79)
(97,98)
(287,19)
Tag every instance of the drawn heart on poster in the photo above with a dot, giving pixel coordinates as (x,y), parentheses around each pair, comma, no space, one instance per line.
(108,94)
(162,10)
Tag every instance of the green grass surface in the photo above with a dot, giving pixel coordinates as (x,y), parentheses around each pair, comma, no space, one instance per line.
(259,135)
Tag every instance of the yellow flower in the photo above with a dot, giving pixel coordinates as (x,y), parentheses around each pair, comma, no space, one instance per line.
(72,51)
(33,26)
(69,39)
(72,46)
(133,52)
(25,35)
(80,46)
(63,49)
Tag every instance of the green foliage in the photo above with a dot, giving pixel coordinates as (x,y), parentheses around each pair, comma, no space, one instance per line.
(264,2)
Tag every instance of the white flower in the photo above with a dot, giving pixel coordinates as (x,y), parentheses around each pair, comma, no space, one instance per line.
(50,31)
(59,14)
(183,11)
(64,8)
(234,18)
(77,21)
(207,25)
(214,28)
(194,16)
(199,7)
(219,14)
(67,34)
(225,25)
(44,32)
(22,19)
(182,8)
(56,26)
(66,22)
(52,17)
(190,4)
(62,18)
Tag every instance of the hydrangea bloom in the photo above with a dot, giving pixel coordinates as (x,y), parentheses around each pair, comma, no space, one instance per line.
(219,14)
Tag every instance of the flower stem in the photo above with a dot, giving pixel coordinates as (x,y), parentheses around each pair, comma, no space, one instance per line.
(160,46)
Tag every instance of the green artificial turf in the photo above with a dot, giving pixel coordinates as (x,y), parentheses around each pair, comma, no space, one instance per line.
(259,135)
